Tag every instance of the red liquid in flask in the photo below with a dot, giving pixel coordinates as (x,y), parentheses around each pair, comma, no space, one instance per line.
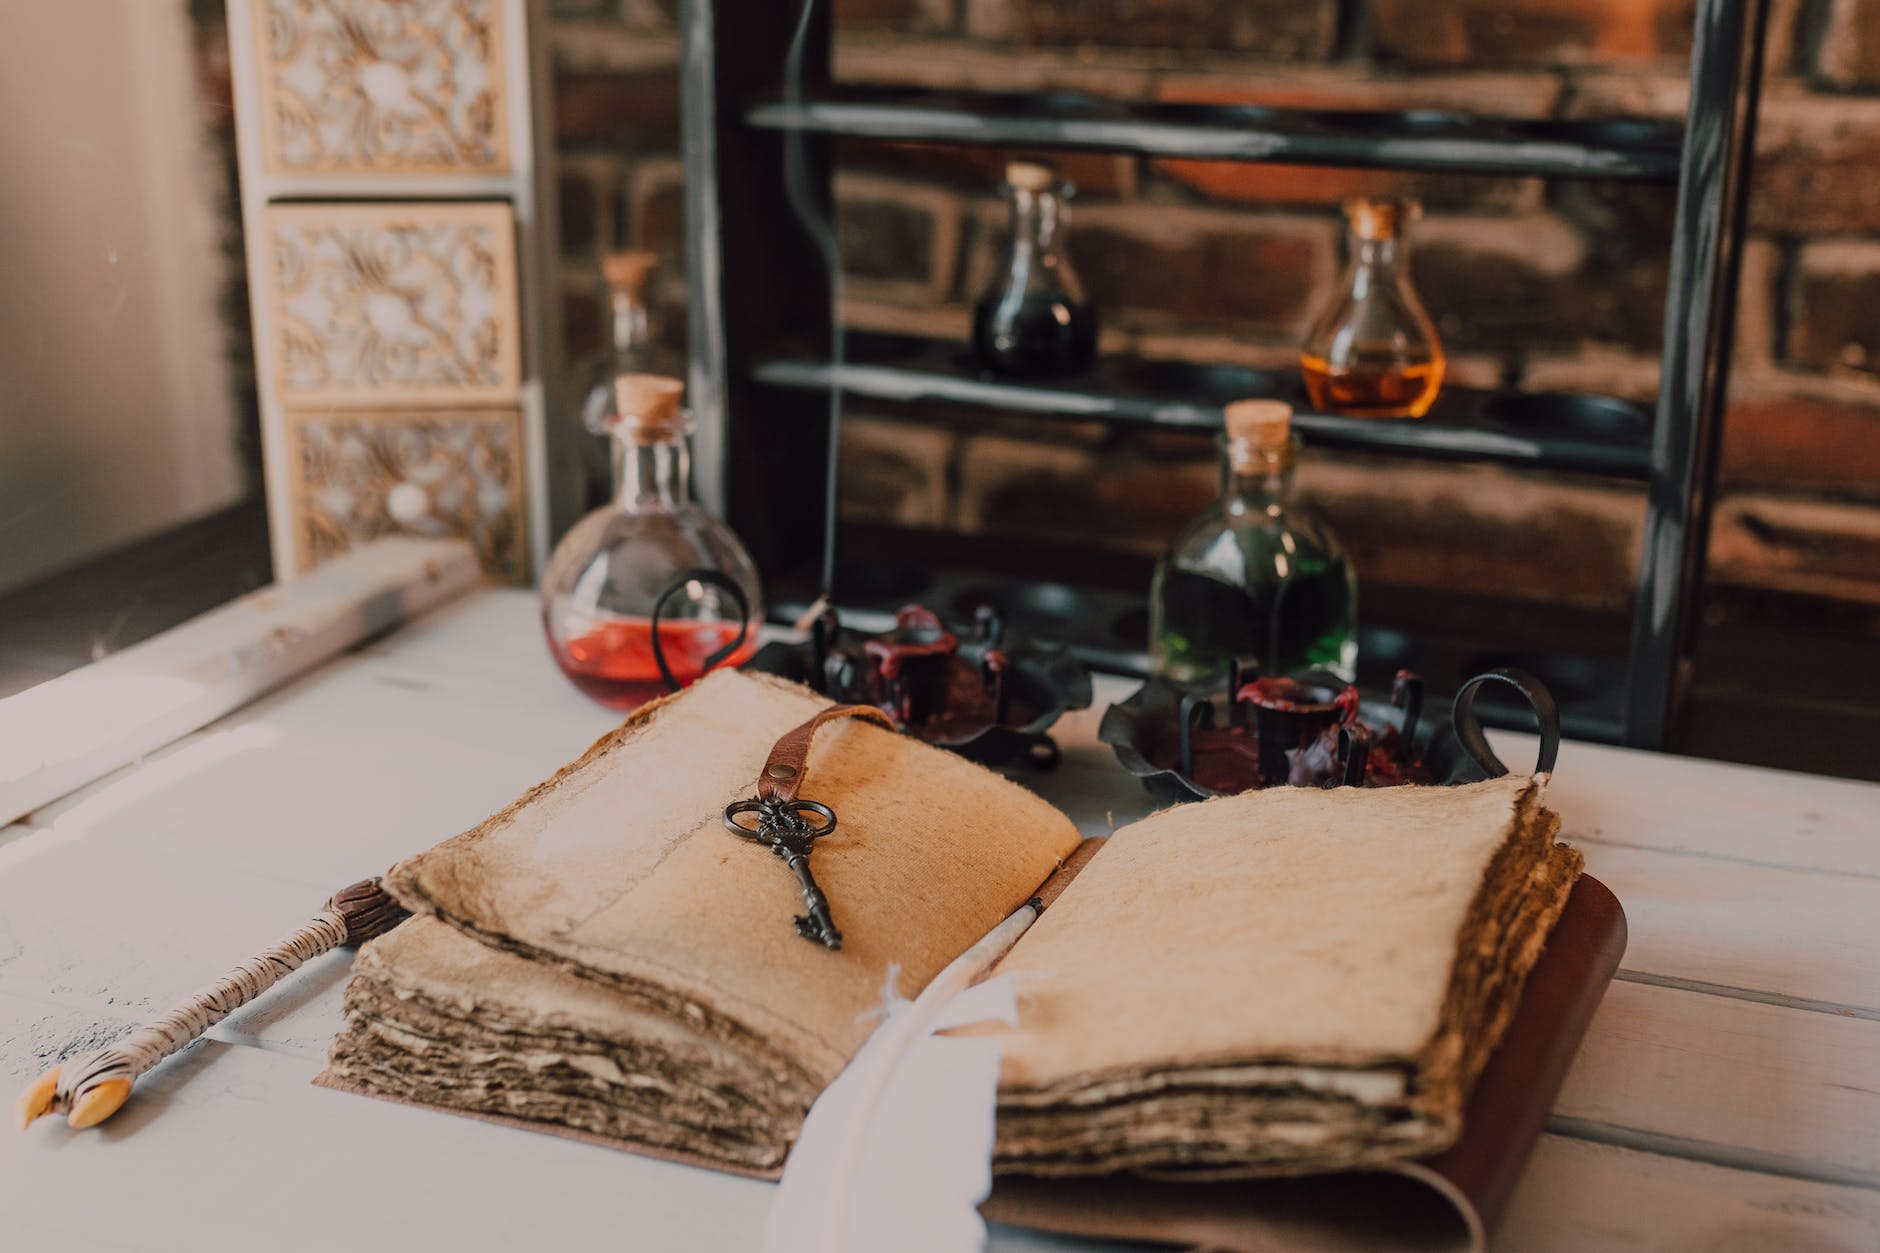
(613,661)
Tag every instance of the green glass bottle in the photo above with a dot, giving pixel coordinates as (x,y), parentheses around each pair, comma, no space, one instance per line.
(1259,574)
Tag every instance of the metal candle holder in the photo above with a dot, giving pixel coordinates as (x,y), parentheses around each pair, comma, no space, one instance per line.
(1189,743)
(983,693)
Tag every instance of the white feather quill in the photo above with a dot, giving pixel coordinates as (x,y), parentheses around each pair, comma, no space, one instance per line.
(897,1152)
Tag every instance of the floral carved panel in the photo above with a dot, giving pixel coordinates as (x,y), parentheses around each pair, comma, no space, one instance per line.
(409,303)
(362,474)
(382,86)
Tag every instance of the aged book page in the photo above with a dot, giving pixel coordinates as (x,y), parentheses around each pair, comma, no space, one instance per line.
(619,870)
(1279,982)
(438,1018)
(1297,977)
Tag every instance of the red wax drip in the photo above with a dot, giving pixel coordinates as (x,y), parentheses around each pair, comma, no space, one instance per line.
(1291,696)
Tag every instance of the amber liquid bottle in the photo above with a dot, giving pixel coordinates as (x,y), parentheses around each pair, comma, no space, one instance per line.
(1373,353)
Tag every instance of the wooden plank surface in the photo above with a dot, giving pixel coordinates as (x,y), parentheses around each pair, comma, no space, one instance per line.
(1737,1082)
(71,730)
(1718,1103)
(1579,1197)
(238,1139)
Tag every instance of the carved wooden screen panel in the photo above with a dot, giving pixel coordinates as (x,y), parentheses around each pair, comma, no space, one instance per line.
(394,214)
(414,302)
(394,86)
(370,472)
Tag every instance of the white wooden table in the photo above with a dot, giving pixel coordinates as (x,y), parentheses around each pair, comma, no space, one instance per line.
(1728,1096)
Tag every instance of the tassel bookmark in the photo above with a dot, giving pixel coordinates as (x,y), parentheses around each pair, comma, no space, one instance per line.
(89,1089)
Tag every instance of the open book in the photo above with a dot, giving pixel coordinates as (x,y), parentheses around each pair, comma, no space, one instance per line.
(1280,982)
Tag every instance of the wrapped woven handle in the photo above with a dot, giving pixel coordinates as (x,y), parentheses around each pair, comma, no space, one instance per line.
(89,1089)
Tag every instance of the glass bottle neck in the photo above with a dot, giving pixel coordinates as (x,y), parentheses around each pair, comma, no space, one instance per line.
(1375,260)
(1037,226)
(630,324)
(1256,482)
(651,476)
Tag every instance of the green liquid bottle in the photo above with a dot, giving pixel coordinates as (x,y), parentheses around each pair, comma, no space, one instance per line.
(1258,575)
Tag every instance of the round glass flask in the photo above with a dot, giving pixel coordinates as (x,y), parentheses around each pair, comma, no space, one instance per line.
(646,594)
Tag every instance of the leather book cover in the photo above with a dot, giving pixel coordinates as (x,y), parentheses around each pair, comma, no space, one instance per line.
(1451,1201)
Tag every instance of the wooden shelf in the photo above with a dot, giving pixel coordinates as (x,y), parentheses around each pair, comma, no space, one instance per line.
(1426,140)
(1588,434)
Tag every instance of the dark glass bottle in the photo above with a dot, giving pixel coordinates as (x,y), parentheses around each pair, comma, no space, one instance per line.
(1033,322)
(1258,575)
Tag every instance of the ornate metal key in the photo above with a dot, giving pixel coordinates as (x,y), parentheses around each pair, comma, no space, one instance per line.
(789,828)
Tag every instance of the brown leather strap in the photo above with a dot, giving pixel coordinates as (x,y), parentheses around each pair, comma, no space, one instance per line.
(783,771)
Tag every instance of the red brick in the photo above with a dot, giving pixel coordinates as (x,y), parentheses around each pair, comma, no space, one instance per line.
(1260,183)
(576,200)
(1813,151)
(1049,491)
(1637,91)
(1621,221)
(1758,304)
(1814,165)
(875,312)
(998,62)
(645,17)
(908,235)
(1530,32)
(639,107)
(1523,535)
(982,169)
(1832,320)
(1849,51)
(895,472)
(1801,435)
(1600,371)
(1806,547)
(1517,285)
(656,214)
(1278,30)
(582,320)
(907,17)
(1471,527)
(1782,34)
(1202,267)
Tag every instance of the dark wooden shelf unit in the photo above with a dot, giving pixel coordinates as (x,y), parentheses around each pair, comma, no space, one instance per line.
(760,313)
(1589,434)
(1422,139)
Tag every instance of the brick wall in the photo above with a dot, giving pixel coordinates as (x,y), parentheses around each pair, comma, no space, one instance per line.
(1534,285)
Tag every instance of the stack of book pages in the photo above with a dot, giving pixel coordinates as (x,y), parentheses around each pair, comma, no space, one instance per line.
(1288,981)
(1281,982)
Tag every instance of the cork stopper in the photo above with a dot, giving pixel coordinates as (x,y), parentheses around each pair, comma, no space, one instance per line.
(1030,175)
(1381,219)
(1259,433)
(626,270)
(649,407)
